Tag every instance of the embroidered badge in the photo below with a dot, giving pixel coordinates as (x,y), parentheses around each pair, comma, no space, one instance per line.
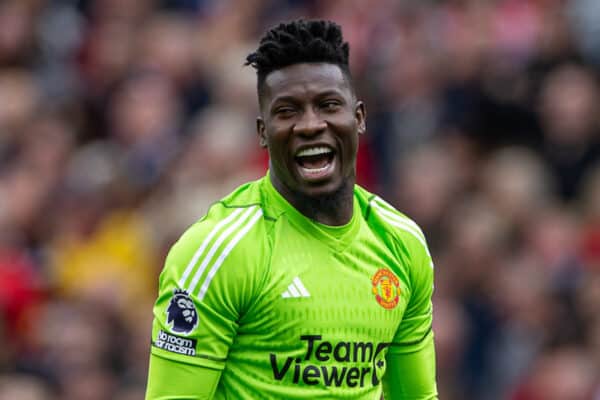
(386,288)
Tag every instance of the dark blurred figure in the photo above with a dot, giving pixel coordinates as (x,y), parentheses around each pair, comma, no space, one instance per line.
(568,113)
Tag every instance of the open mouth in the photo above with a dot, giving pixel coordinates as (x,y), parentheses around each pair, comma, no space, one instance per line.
(315,162)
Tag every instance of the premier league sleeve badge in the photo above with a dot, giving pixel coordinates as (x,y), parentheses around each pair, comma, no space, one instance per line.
(182,315)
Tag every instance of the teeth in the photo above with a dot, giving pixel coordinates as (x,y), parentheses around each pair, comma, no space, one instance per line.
(316,170)
(313,151)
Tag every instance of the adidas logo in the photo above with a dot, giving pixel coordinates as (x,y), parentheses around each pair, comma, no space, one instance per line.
(296,289)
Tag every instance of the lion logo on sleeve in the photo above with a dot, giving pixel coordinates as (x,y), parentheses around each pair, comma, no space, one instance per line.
(181,313)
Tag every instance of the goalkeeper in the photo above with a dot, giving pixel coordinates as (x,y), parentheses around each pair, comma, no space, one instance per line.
(301,285)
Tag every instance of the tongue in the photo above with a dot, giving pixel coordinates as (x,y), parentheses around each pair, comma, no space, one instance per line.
(314,162)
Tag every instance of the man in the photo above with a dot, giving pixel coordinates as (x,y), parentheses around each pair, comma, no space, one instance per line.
(300,285)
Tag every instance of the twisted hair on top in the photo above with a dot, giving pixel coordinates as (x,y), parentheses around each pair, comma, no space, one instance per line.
(300,41)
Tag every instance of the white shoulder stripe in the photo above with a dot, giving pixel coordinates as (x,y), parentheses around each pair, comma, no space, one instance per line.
(215,247)
(226,252)
(194,260)
(398,217)
(401,223)
(388,215)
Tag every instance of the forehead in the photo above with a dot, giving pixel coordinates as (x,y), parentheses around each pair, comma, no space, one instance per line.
(305,79)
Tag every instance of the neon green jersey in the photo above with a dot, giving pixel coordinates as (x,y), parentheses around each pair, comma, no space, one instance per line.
(288,308)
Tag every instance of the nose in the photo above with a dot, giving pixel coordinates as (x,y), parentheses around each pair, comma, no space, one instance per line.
(310,123)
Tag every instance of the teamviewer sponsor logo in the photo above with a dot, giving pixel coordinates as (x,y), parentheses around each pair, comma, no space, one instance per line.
(175,344)
(358,363)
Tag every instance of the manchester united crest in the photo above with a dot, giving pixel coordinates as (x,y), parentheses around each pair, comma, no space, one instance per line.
(386,288)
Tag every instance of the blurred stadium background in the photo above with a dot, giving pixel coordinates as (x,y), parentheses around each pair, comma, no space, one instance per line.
(122,120)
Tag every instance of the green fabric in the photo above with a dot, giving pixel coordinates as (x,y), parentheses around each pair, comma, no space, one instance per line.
(171,380)
(290,308)
(411,375)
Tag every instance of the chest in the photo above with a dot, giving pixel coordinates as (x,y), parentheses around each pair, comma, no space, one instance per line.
(356,292)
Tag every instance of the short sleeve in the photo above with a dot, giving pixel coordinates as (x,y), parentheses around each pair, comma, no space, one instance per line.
(415,326)
(209,279)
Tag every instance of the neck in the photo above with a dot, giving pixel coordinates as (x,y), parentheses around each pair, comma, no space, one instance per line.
(334,209)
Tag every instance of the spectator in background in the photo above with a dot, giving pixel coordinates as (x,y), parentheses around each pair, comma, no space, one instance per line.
(571,128)
(90,89)
(23,387)
(590,215)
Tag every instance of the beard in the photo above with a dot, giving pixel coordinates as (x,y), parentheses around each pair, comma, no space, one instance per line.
(329,203)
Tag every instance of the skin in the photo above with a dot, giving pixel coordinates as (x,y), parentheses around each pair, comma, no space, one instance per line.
(304,105)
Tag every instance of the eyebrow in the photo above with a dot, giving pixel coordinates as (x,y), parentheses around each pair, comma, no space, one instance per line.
(290,99)
(293,99)
(331,92)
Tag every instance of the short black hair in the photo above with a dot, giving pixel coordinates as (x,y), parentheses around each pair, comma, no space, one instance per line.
(299,41)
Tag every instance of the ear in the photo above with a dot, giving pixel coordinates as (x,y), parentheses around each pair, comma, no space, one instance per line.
(360,113)
(260,131)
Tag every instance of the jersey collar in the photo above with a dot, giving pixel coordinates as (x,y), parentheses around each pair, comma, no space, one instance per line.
(337,237)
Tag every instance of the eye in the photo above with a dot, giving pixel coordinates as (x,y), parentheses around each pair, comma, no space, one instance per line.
(330,105)
(285,111)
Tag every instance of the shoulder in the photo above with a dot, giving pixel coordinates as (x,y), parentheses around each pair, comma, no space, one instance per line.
(392,225)
(233,232)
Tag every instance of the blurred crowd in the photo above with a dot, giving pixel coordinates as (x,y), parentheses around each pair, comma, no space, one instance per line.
(121,121)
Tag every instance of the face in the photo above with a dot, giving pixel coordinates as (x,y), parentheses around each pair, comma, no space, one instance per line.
(310,122)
